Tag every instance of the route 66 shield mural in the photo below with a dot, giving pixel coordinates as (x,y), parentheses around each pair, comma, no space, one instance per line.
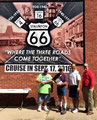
(38,35)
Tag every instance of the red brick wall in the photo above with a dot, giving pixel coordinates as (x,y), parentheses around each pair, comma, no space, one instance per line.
(91,36)
(24,80)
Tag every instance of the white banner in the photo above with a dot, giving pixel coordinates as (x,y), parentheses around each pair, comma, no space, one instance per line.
(35,68)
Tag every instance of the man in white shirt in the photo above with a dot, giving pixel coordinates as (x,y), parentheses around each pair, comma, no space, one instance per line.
(74,87)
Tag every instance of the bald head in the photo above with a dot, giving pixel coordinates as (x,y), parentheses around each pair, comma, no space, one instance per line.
(73,67)
(86,67)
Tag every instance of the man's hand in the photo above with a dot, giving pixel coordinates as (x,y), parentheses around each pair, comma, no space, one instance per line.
(91,90)
(78,89)
(43,82)
(62,84)
(59,84)
(49,81)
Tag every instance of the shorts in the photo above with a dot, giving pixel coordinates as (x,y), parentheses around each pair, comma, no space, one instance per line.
(73,91)
(61,91)
(43,97)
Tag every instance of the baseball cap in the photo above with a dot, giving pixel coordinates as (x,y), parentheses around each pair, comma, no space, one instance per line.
(85,65)
(60,68)
(45,69)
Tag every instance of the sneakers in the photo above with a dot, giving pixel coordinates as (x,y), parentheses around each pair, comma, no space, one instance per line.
(85,111)
(71,109)
(75,110)
(39,109)
(90,113)
(63,111)
(59,109)
(46,109)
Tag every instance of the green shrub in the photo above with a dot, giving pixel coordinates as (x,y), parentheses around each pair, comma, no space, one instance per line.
(70,105)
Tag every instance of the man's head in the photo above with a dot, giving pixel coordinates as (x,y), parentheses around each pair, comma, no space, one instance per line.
(73,67)
(86,67)
(61,69)
(45,71)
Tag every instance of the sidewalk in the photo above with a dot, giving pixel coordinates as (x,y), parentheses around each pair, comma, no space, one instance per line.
(30,113)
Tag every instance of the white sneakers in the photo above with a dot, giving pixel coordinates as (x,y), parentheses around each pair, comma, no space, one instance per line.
(39,109)
(45,108)
(75,110)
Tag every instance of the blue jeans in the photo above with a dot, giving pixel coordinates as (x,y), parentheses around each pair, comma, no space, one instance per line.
(61,91)
(45,97)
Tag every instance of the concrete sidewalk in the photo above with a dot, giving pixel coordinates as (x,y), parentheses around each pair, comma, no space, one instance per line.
(30,113)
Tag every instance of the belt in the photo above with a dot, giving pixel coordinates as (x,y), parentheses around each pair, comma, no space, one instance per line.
(86,86)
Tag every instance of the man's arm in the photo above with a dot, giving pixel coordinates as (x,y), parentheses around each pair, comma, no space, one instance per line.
(42,82)
(92,82)
(79,83)
(62,84)
(55,77)
(49,81)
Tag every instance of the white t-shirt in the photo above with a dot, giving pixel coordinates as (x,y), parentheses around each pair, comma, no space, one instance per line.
(74,77)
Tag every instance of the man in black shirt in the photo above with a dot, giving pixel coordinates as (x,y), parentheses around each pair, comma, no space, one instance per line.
(61,81)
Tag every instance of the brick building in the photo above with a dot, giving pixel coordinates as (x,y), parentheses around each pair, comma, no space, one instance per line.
(22,80)
(26,10)
(52,10)
(10,38)
(70,34)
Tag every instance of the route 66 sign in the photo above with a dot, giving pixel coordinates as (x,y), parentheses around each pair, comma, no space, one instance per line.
(58,21)
(38,35)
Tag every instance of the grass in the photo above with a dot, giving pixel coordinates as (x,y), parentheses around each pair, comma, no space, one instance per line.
(80,105)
